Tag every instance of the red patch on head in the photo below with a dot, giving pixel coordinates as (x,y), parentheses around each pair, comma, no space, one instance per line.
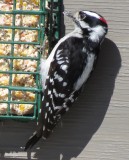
(103,20)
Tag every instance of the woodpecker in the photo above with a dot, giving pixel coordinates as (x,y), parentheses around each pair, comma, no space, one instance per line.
(67,69)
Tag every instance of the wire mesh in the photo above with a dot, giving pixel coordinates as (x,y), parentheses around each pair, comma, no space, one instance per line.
(48,26)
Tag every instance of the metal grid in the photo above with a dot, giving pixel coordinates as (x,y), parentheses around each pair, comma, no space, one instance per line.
(51,30)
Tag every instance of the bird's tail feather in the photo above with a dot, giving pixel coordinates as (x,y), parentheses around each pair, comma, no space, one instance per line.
(33,139)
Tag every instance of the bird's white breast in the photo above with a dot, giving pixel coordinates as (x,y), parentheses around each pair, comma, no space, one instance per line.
(86,72)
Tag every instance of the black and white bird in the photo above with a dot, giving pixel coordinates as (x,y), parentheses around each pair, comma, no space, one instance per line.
(67,69)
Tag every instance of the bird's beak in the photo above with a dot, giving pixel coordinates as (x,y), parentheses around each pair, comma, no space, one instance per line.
(69,14)
(75,18)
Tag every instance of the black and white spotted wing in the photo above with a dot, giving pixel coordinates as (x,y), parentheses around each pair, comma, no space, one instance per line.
(59,92)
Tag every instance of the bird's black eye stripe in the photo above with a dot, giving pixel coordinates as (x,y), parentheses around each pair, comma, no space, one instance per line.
(82,15)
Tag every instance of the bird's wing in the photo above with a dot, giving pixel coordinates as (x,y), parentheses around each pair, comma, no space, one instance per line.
(65,69)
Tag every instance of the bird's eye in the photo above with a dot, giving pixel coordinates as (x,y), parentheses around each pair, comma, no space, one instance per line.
(82,15)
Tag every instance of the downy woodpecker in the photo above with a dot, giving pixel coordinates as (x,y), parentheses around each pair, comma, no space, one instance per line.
(67,69)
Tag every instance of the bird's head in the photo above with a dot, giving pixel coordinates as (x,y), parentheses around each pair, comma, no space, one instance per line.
(91,24)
